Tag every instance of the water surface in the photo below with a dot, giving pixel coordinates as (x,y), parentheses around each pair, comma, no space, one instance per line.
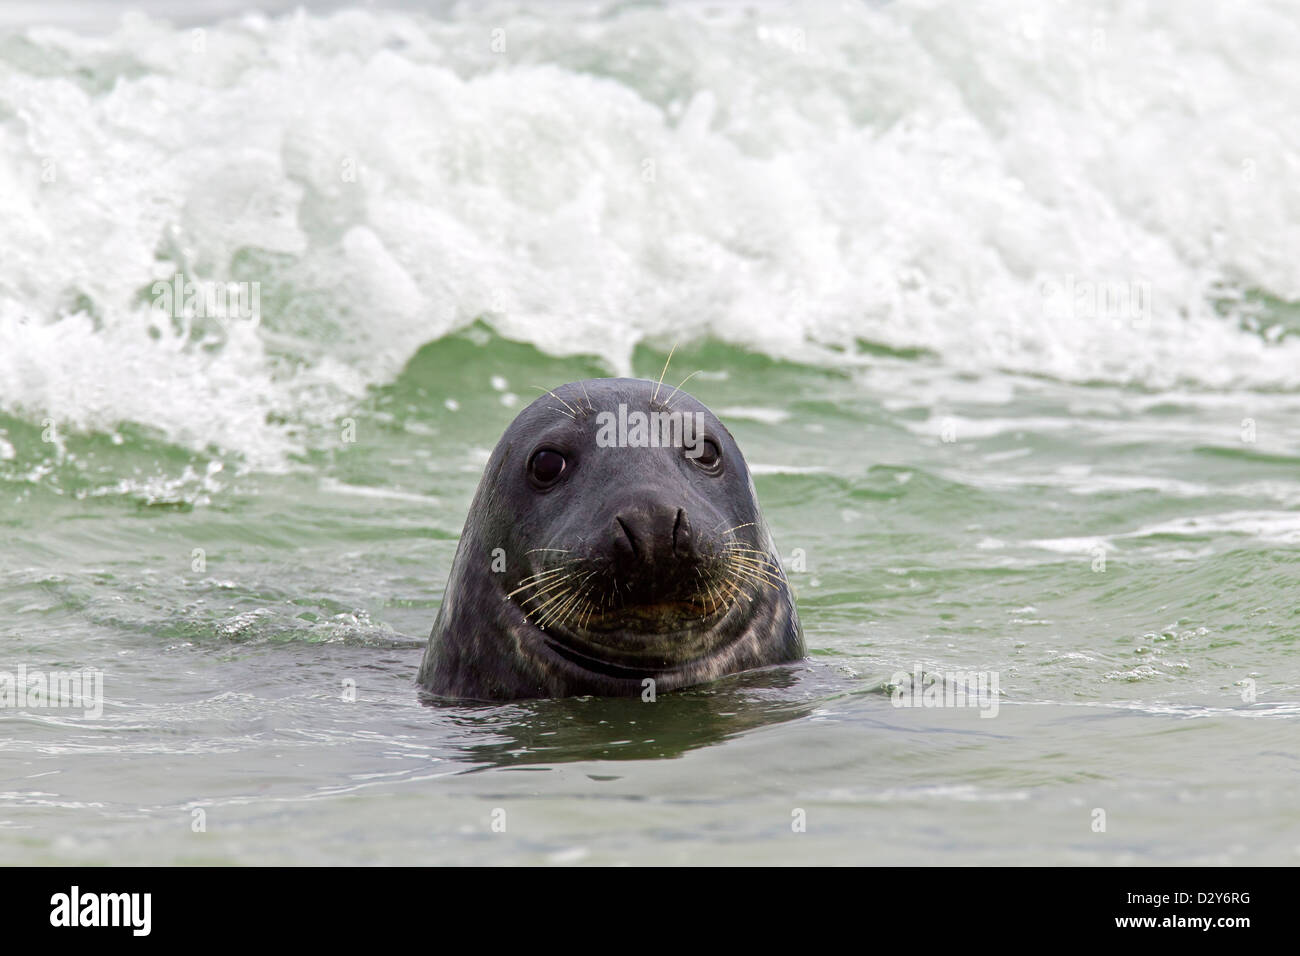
(1015,368)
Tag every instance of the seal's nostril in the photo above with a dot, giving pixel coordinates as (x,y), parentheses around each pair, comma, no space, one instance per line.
(631,539)
(650,535)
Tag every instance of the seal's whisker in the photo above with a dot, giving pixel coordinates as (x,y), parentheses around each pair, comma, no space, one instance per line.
(716,594)
(758,557)
(561,550)
(755,577)
(742,576)
(541,578)
(752,588)
(703,596)
(659,384)
(765,562)
(546,572)
(572,410)
(719,598)
(747,524)
(678,388)
(539,597)
(771,570)
(543,575)
(539,611)
(574,610)
(550,586)
(765,566)
(556,565)
(745,591)
(591,607)
(706,592)
(545,617)
(732,547)
(562,612)
(734,591)
(558,612)
(766,579)
(553,569)
(760,570)
(522,587)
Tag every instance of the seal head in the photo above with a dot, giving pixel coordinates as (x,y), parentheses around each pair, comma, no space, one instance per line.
(615,537)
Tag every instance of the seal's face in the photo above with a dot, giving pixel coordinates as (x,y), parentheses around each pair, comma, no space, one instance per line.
(615,536)
(634,522)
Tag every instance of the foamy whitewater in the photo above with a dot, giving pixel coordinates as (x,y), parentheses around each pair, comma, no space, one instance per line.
(953,177)
(999,299)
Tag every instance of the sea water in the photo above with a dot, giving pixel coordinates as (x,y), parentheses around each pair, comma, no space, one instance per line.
(998,299)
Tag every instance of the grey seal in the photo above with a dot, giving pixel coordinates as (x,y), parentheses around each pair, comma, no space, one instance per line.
(615,545)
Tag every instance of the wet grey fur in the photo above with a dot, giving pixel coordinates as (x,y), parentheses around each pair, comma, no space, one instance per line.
(486,646)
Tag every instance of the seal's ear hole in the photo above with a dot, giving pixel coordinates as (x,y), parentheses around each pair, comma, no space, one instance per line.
(710,456)
(546,466)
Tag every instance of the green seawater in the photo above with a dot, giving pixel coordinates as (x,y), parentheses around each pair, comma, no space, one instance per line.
(1124,560)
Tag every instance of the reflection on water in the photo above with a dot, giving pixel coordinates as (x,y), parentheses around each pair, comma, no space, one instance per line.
(625,728)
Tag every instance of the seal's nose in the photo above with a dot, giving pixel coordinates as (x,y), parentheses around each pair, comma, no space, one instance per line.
(652,534)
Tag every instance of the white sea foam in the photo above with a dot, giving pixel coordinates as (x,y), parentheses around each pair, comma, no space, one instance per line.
(1270,527)
(1061,190)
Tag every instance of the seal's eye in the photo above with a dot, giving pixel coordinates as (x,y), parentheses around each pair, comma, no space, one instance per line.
(709,455)
(546,466)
